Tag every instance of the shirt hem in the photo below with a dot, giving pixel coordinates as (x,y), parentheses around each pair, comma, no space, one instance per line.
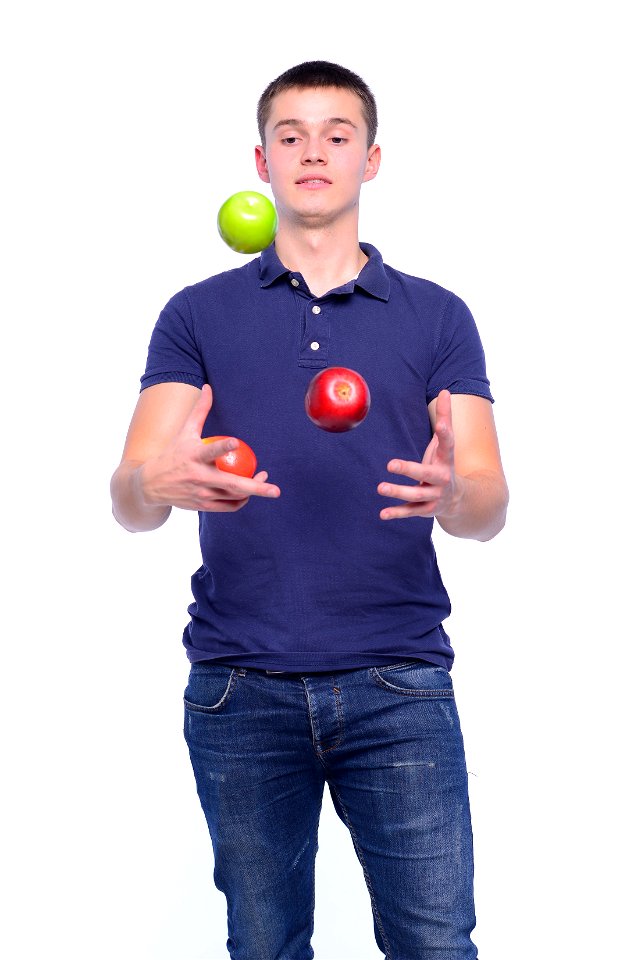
(319,662)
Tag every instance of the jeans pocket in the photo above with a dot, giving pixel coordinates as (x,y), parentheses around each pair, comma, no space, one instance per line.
(209,687)
(414,679)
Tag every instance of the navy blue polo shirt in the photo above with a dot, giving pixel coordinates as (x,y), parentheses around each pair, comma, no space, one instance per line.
(314,580)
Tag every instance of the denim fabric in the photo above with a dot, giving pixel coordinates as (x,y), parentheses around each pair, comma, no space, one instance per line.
(388,743)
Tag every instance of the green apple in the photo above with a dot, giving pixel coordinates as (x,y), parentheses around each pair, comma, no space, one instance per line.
(247,222)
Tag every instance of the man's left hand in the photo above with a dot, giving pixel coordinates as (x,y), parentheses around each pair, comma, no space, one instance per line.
(438,491)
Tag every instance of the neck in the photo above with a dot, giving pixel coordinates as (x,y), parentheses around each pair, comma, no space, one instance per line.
(325,257)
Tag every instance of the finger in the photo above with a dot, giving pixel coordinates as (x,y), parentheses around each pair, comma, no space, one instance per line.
(220,495)
(224,506)
(411,510)
(430,454)
(229,486)
(196,420)
(262,489)
(435,473)
(212,449)
(445,436)
(444,406)
(419,494)
(443,423)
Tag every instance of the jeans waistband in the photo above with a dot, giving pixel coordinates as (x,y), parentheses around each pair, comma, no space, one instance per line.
(295,673)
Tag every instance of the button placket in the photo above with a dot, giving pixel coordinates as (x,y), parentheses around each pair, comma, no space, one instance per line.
(314,348)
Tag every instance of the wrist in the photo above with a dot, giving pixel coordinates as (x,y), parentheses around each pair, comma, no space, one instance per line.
(454,505)
(481,506)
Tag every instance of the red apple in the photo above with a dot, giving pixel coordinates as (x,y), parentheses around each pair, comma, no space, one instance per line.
(337,399)
(241,461)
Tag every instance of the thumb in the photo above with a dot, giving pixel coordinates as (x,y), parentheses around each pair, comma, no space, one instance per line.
(444,406)
(432,447)
(443,423)
(196,420)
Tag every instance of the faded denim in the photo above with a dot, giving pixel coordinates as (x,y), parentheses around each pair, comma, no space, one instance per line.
(388,743)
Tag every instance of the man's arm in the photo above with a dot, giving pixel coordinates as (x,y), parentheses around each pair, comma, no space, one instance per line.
(460,479)
(165,464)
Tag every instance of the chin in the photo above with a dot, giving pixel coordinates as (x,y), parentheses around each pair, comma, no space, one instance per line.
(318,218)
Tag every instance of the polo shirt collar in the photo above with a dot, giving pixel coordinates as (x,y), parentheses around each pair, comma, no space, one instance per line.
(372,279)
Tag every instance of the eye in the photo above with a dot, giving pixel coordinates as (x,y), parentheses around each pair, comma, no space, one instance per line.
(339,139)
(289,140)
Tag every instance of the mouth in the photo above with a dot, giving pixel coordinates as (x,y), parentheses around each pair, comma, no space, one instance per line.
(313,181)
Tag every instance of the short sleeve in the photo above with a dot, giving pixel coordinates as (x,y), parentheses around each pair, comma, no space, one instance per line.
(458,360)
(173,354)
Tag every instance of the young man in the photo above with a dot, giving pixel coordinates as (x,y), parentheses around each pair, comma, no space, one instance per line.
(316,642)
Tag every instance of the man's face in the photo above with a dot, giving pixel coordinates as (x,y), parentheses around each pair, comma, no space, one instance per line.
(316,155)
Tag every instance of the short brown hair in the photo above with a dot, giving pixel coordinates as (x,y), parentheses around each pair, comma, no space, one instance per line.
(319,73)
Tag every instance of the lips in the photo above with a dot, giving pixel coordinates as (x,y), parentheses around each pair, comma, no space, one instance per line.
(312,179)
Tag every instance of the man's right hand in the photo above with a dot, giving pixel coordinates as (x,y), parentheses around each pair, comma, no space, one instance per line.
(165,464)
(185,475)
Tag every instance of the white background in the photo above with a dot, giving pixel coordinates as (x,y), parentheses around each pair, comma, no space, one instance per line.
(510,175)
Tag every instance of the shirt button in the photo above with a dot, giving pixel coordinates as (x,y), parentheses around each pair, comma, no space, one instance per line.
(315,345)
(316,309)
(294,282)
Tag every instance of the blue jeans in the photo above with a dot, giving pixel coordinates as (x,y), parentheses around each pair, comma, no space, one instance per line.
(388,743)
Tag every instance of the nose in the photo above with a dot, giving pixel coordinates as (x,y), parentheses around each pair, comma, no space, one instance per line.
(314,152)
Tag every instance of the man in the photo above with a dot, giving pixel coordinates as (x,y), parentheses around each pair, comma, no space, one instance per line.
(316,642)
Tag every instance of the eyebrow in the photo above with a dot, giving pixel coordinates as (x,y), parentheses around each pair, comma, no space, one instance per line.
(331,122)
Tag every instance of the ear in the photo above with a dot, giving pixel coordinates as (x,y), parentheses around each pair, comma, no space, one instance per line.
(261,163)
(373,163)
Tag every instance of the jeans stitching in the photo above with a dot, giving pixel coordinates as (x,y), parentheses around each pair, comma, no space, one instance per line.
(359,854)
(198,708)
(405,663)
(423,693)
(338,743)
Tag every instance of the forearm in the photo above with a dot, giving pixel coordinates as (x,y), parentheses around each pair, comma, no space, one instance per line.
(479,508)
(130,508)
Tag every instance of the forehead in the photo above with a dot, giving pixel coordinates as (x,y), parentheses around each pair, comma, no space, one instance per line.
(315,105)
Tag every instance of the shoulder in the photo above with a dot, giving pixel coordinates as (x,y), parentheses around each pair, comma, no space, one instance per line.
(195,311)
(420,291)
(229,283)
(200,301)
(423,296)
(429,297)
(420,285)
